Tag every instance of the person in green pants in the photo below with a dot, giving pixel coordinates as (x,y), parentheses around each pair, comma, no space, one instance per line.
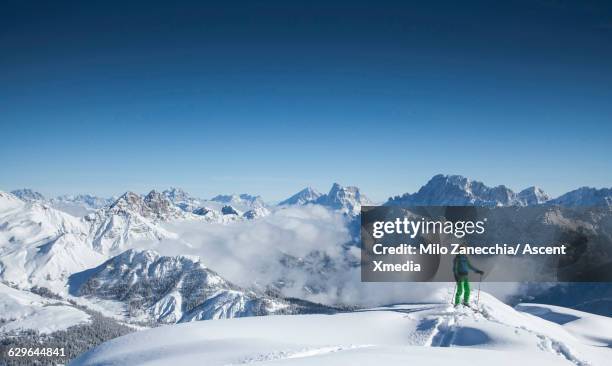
(461,268)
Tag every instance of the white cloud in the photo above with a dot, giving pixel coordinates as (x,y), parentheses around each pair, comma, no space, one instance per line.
(249,253)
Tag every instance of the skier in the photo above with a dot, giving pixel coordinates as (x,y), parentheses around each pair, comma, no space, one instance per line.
(461,268)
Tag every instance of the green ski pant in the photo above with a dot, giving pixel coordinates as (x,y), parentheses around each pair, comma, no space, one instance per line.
(463,288)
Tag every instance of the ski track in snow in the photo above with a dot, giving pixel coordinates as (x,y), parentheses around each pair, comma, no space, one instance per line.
(447,324)
(306,352)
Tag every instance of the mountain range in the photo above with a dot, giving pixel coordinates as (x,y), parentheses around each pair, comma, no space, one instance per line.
(439,190)
(91,257)
(456,190)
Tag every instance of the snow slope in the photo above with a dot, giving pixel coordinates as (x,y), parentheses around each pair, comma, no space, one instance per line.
(590,328)
(40,245)
(418,334)
(24,310)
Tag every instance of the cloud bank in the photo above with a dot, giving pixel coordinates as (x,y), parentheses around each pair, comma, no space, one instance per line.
(302,250)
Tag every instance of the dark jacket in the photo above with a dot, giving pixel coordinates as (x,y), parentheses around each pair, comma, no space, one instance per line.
(462,266)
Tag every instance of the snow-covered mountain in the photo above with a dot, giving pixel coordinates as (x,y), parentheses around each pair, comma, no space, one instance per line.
(169,289)
(305,196)
(348,200)
(182,199)
(76,205)
(222,208)
(40,245)
(28,195)
(532,196)
(585,196)
(216,209)
(455,190)
(413,334)
(132,218)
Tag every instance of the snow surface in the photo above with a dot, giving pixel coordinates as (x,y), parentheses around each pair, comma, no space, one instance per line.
(418,334)
(22,310)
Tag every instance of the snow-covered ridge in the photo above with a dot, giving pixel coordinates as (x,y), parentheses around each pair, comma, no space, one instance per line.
(76,205)
(169,289)
(585,196)
(414,334)
(456,190)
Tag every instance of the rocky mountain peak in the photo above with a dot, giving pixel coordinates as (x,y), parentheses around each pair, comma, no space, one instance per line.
(153,206)
(532,196)
(456,190)
(346,199)
(306,195)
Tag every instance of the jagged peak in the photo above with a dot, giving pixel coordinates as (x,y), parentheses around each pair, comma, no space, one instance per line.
(153,205)
(127,197)
(337,187)
(346,199)
(306,195)
(457,190)
(155,195)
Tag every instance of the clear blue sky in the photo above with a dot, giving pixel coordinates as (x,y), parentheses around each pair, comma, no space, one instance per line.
(268,97)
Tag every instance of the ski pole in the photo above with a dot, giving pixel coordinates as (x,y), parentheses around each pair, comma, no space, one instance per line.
(453,294)
(478,299)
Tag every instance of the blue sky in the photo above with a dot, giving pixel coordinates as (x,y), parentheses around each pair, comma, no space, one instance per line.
(269,97)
